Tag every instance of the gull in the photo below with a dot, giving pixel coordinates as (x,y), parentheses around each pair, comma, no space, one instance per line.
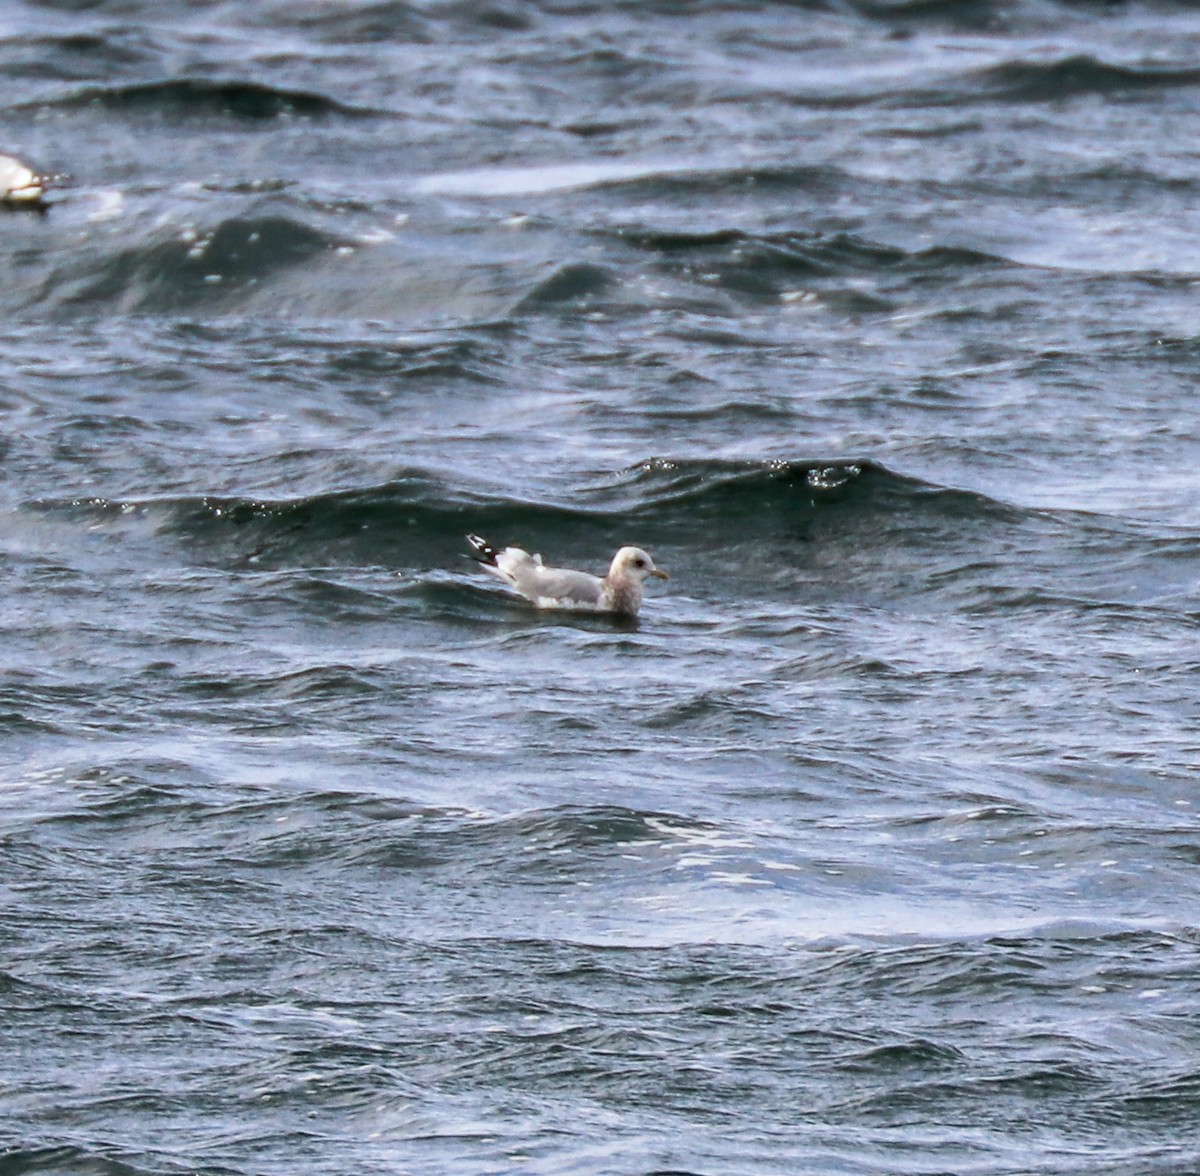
(20,184)
(620,592)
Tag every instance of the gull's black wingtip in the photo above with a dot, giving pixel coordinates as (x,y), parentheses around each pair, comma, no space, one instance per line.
(482,550)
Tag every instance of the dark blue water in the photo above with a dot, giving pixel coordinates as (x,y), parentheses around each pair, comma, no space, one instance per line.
(871,848)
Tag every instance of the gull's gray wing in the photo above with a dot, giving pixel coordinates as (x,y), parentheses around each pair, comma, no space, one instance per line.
(558,586)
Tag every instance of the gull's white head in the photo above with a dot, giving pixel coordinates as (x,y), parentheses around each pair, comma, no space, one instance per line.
(633,563)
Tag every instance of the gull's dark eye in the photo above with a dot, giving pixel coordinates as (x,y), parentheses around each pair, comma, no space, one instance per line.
(639,562)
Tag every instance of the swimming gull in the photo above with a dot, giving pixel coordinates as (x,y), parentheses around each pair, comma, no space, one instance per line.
(620,592)
(19,184)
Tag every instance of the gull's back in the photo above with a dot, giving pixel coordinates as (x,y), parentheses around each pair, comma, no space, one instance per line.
(548,587)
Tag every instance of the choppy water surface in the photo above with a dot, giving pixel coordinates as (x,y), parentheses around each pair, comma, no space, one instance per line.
(871,848)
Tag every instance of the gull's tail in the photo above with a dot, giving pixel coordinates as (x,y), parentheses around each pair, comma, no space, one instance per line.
(482,550)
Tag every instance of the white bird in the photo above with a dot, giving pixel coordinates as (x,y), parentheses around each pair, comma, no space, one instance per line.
(19,184)
(620,592)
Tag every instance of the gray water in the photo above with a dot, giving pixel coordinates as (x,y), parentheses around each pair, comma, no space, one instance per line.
(871,847)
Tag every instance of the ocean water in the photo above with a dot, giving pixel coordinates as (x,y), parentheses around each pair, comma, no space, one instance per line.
(871,847)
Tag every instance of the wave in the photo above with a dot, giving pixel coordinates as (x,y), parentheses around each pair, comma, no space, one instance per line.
(975,14)
(566,284)
(768,265)
(418,519)
(280,258)
(527,844)
(186,99)
(192,269)
(1080,75)
(31,1159)
(782,531)
(283,253)
(381,20)
(1012,81)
